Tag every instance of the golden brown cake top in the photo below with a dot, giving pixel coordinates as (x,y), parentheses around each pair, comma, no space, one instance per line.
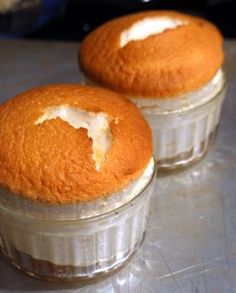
(153,54)
(70,143)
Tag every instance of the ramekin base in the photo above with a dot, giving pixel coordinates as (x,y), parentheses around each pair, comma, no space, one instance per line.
(187,159)
(47,271)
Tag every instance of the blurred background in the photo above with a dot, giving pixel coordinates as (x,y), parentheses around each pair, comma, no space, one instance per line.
(71,20)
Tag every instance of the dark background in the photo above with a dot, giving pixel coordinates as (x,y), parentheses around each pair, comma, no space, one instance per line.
(72,19)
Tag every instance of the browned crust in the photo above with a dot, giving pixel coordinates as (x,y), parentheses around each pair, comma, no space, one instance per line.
(52,162)
(164,65)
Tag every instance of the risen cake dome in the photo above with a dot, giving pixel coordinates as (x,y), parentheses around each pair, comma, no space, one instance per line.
(69,143)
(153,54)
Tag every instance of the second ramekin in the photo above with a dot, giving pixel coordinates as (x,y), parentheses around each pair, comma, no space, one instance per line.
(184,130)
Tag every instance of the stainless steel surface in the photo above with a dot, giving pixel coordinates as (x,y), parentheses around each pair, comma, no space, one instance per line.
(190,244)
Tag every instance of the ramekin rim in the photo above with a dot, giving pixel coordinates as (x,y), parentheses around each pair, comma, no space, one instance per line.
(176,112)
(105,214)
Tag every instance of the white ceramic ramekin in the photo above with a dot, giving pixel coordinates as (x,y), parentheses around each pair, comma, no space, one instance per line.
(66,242)
(184,128)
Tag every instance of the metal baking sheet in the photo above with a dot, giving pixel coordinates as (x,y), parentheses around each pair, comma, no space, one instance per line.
(190,244)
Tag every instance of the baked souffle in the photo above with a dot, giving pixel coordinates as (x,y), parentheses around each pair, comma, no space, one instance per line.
(76,179)
(169,64)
